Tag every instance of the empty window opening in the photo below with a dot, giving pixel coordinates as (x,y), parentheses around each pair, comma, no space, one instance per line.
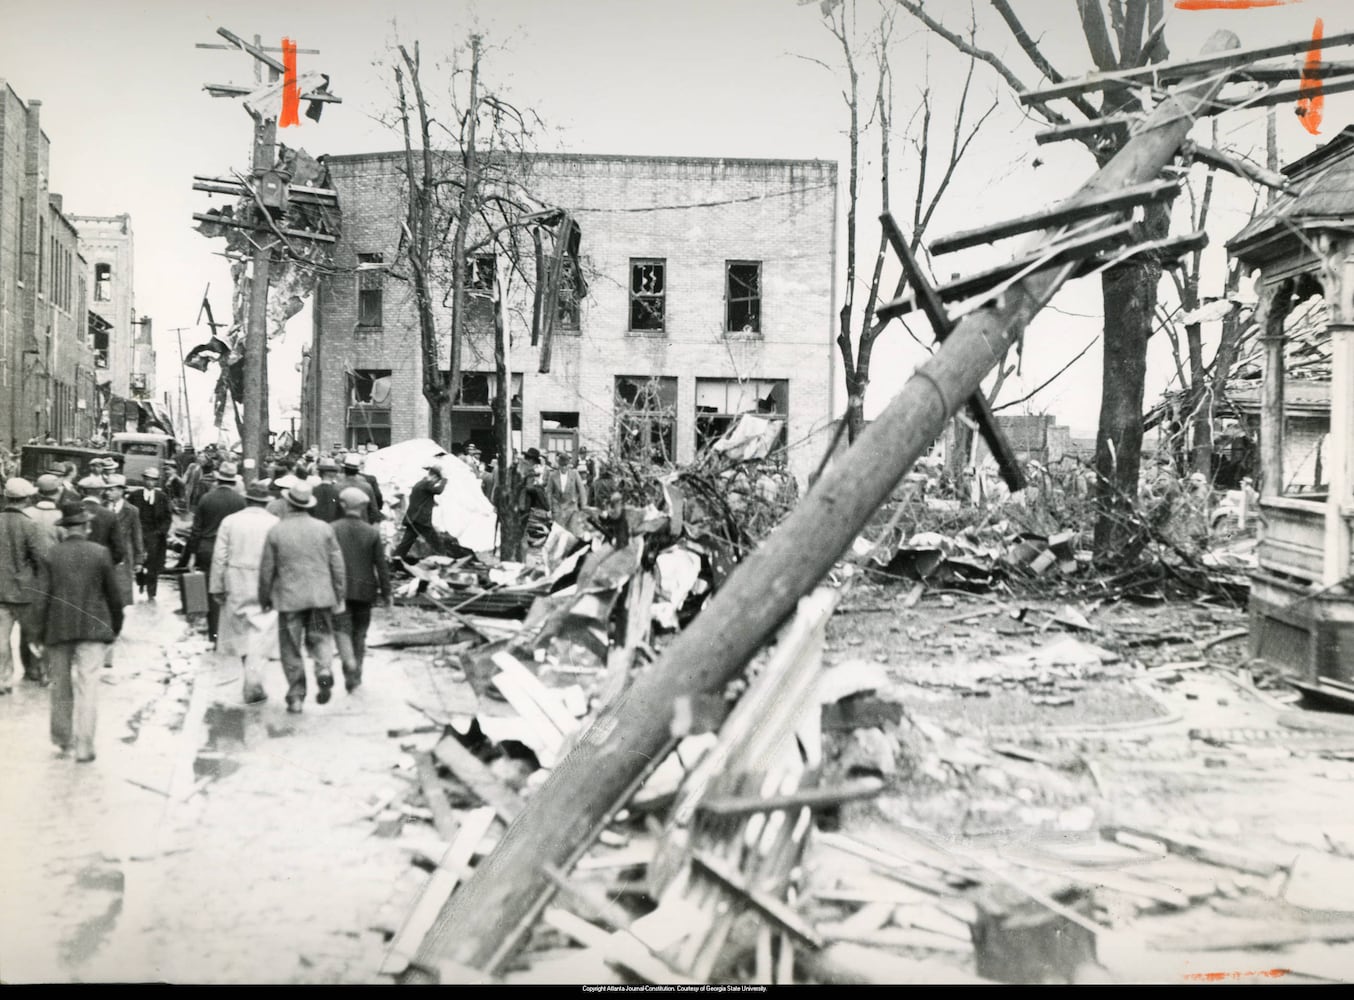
(369,407)
(743,296)
(371,276)
(479,273)
(103,282)
(648,294)
(646,418)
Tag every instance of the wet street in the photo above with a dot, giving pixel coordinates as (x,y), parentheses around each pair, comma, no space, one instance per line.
(209,842)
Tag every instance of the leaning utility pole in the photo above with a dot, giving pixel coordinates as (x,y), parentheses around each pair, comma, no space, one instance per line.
(268,186)
(184,415)
(486,919)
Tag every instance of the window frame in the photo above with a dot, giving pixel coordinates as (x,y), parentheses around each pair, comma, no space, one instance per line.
(651,424)
(711,425)
(103,284)
(370,286)
(638,298)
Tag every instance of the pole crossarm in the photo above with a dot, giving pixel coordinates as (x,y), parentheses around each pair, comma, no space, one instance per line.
(486,920)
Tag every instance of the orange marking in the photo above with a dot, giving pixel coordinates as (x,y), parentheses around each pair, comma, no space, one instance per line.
(291,97)
(1312,100)
(1217,977)
(1229,4)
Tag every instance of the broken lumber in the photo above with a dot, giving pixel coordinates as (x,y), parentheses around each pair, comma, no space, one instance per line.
(1211,853)
(444,817)
(476,776)
(779,913)
(844,963)
(814,798)
(621,949)
(598,775)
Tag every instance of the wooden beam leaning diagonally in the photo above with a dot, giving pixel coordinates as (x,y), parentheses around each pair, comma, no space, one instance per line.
(1150,75)
(978,407)
(486,920)
(1056,215)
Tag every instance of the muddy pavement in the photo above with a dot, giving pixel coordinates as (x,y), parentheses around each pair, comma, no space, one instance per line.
(209,842)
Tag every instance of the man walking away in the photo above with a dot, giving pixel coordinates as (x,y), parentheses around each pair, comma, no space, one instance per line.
(45,513)
(246,630)
(353,479)
(301,575)
(22,546)
(418,515)
(368,579)
(216,505)
(155,511)
(129,534)
(77,611)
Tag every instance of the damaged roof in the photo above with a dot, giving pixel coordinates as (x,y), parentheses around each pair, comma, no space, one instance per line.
(1321,195)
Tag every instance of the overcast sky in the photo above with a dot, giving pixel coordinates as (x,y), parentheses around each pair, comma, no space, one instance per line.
(123,105)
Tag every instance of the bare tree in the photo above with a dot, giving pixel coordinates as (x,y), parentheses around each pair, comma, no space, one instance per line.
(1131,35)
(856,343)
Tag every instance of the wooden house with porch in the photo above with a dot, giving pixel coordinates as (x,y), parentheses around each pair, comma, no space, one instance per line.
(1302,594)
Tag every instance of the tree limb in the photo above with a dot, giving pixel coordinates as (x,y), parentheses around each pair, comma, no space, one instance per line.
(1031,49)
(1097,35)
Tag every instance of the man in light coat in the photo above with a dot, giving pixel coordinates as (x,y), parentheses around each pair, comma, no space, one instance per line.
(368,580)
(77,612)
(301,575)
(22,546)
(245,629)
(564,491)
(214,507)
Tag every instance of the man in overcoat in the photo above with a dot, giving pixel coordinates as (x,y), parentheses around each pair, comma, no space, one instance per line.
(301,575)
(216,505)
(77,612)
(368,580)
(245,629)
(156,513)
(22,545)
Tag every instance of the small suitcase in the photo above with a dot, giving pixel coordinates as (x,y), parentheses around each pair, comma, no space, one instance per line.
(193,591)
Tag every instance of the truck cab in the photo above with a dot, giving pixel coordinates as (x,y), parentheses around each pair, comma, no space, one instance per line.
(140,451)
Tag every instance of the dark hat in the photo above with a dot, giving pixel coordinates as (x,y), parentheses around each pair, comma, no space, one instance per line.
(532,455)
(73,514)
(258,492)
(300,496)
(227,473)
(327,464)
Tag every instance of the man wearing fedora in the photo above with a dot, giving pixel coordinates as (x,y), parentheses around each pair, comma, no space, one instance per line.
(129,533)
(216,505)
(156,513)
(368,580)
(353,479)
(22,546)
(327,507)
(301,575)
(103,526)
(246,630)
(77,613)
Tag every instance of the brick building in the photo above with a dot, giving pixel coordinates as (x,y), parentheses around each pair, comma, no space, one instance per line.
(710,294)
(124,357)
(47,376)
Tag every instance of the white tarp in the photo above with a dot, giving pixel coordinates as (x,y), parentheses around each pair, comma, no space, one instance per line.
(462,509)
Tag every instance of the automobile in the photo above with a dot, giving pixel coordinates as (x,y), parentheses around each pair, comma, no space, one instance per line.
(35,459)
(140,451)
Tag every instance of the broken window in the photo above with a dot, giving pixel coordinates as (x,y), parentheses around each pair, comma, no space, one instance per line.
(371,276)
(743,296)
(646,418)
(559,433)
(103,282)
(720,402)
(566,305)
(473,416)
(99,328)
(369,393)
(648,292)
(479,273)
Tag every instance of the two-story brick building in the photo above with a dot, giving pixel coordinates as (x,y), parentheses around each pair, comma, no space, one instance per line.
(710,295)
(47,376)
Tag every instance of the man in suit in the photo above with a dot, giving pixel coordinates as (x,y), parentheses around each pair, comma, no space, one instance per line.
(103,526)
(247,631)
(368,579)
(216,505)
(129,532)
(301,575)
(22,546)
(156,514)
(353,479)
(564,492)
(77,612)
(418,513)
(327,506)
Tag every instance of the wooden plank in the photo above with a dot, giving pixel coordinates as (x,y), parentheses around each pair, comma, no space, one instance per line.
(234,224)
(620,949)
(1155,74)
(1058,215)
(762,592)
(475,775)
(1076,248)
(1222,855)
(550,704)
(814,798)
(444,817)
(474,825)
(846,963)
(1278,935)
(770,907)
(595,906)
(1083,130)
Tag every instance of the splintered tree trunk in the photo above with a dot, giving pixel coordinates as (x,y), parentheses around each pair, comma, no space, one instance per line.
(1129,294)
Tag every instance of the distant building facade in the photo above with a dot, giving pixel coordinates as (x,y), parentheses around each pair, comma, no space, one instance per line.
(47,374)
(710,295)
(124,355)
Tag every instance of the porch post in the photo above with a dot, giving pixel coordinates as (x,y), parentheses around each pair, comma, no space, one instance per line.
(1340,453)
(1273,308)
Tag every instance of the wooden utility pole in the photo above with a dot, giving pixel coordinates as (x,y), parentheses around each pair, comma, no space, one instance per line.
(485,921)
(264,234)
(184,415)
